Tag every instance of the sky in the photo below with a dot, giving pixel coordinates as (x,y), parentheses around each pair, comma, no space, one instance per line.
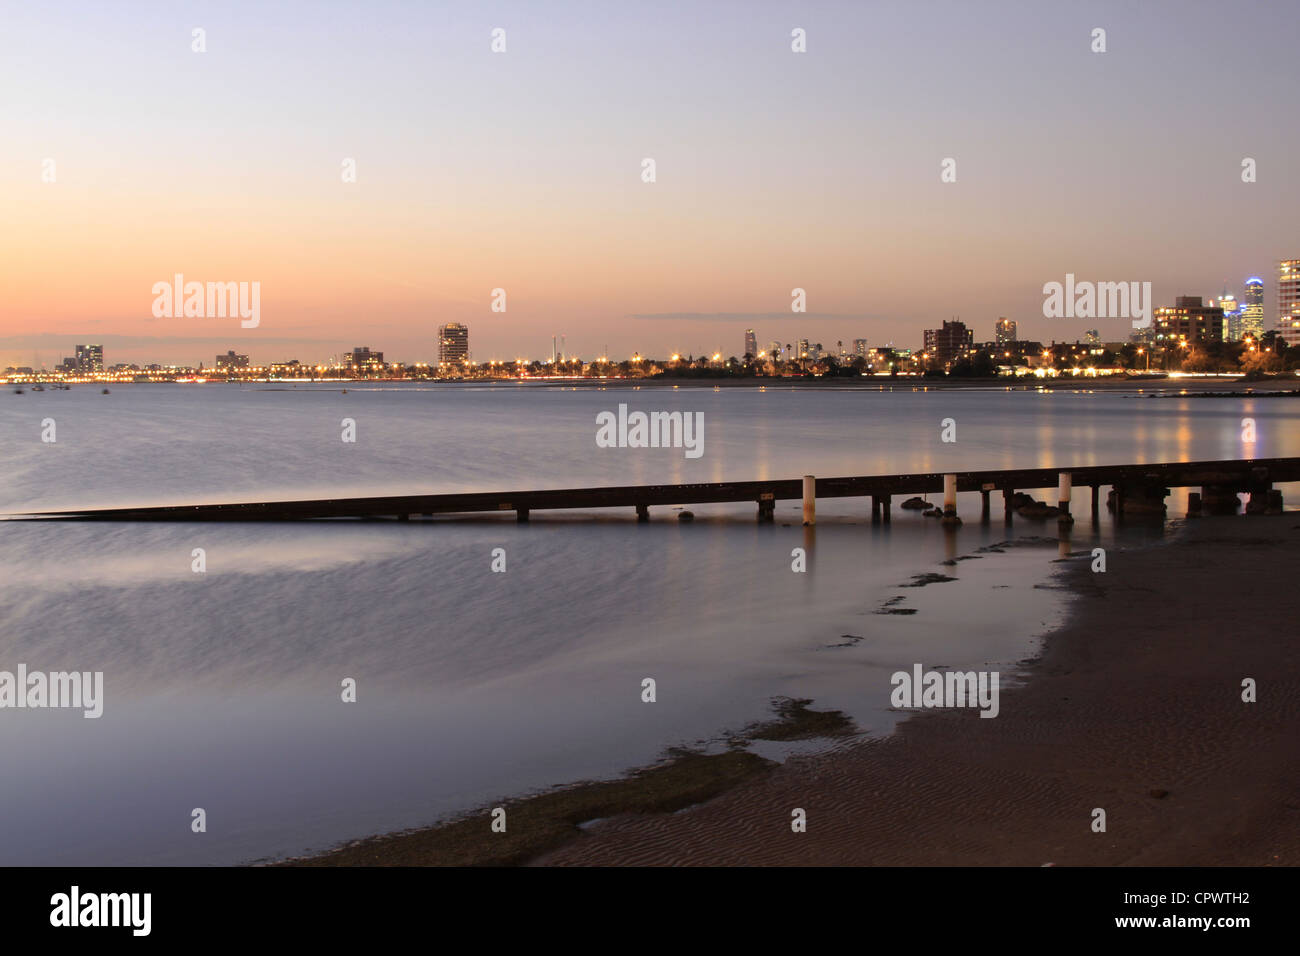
(522,170)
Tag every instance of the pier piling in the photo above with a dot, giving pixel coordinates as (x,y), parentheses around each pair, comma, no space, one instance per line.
(1219,499)
(950,518)
(809,500)
(1063,498)
(1141,497)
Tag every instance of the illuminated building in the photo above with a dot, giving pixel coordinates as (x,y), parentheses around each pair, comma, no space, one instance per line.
(453,343)
(90,358)
(231,360)
(362,359)
(949,343)
(1188,321)
(1288,300)
(1231,316)
(1252,312)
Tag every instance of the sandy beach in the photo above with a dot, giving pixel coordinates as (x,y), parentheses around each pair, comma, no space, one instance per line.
(1135,706)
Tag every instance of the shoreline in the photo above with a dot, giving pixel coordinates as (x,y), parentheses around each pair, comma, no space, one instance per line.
(1135,712)
(1281,385)
(687,772)
(1113,712)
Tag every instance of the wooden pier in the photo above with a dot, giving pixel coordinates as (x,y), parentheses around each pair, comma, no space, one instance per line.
(1135,489)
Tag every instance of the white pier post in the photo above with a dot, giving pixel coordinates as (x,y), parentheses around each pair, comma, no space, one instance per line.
(950,501)
(1063,499)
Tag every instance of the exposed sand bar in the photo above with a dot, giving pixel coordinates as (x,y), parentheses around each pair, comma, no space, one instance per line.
(1135,706)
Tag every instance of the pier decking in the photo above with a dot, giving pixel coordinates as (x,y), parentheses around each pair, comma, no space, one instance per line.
(1137,488)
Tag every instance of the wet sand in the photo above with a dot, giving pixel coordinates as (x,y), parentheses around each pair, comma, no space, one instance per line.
(1135,706)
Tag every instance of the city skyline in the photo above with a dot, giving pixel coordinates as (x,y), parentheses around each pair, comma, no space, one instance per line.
(1237,316)
(477,171)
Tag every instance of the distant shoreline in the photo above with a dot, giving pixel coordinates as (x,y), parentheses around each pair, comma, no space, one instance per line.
(1282,386)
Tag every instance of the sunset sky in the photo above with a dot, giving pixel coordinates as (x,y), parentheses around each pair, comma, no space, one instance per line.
(522,170)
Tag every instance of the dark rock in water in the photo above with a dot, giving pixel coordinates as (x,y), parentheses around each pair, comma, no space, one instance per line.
(1158,793)
(915,504)
(1037,509)
(921,580)
(104,392)
(849,640)
(889,606)
(933,513)
(1021,500)
(686,516)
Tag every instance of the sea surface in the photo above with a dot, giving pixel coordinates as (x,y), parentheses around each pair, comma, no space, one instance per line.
(222,689)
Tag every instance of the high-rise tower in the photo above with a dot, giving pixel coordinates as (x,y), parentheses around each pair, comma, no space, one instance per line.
(453,343)
(1288,300)
(1252,311)
(1231,316)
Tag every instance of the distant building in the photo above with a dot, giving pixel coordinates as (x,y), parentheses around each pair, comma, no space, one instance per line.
(1252,310)
(1188,321)
(860,348)
(453,343)
(774,350)
(1231,317)
(1092,337)
(363,359)
(1018,352)
(1288,300)
(90,358)
(751,344)
(948,344)
(1004,331)
(802,349)
(231,360)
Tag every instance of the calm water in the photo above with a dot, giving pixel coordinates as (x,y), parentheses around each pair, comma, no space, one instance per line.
(223,689)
